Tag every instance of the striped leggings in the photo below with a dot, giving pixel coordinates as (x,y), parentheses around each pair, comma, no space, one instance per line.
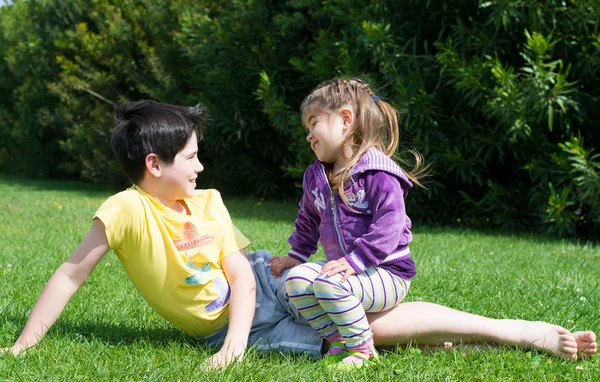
(331,306)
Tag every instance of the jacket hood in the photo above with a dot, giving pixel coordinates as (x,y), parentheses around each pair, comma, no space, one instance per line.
(374,159)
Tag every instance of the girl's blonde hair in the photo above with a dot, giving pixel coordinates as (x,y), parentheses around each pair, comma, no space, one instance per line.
(375,125)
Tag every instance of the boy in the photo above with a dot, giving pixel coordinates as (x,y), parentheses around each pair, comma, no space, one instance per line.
(177,245)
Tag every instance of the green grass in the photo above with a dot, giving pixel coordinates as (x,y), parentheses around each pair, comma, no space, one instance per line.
(107,332)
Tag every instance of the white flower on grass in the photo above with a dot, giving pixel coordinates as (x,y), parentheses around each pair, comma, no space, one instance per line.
(447,345)
(570,322)
(582,298)
(579,290)
(579,368)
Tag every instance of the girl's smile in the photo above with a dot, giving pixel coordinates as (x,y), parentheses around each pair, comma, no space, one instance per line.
(327,135)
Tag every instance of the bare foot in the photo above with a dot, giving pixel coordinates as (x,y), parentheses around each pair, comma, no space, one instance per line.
(551,339)
(586,343)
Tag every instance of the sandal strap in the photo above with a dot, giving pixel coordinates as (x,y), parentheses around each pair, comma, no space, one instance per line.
(340,353)
(358,354)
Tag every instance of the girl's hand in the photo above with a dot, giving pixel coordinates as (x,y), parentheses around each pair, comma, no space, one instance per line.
(281,263)
(338,266)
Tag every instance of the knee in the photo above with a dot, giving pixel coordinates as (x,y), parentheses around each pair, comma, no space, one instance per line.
(325,286)
(299,279)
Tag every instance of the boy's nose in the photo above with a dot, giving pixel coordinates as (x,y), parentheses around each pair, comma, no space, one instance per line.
(199,167)
(309,136)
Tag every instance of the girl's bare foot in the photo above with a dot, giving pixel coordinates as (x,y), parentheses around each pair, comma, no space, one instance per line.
(586,343)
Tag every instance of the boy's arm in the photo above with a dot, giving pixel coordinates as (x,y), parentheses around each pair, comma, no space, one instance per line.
(241,309)
(65,281)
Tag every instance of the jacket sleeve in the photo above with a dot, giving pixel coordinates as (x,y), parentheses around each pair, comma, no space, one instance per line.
(305,238)
(385,196)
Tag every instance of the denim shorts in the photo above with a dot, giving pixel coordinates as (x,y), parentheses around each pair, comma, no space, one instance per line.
(277,325)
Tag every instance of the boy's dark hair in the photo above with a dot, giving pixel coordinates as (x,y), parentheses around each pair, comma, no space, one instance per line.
(146,127)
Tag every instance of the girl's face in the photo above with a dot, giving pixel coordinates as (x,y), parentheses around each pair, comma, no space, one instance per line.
(326,135)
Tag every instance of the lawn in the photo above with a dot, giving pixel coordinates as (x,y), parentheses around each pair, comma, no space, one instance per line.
(108,333)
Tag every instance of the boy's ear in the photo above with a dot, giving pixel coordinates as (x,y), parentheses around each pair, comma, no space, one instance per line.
(153,165)
(347,115)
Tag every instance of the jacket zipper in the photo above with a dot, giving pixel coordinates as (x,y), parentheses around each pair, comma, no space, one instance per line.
(335,222)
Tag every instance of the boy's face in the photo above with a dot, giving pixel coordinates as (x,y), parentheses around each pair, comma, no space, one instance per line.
(179,177)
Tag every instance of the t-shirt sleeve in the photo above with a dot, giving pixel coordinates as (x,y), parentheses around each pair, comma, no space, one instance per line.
(115,214)
(233,239)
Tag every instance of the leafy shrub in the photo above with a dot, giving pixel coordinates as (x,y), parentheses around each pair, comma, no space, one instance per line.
(498,95)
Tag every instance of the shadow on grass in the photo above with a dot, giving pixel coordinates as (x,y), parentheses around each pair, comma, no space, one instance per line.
(474,233)
(114,334)
(282,211)
(261,210)
(83,188)
(244,208)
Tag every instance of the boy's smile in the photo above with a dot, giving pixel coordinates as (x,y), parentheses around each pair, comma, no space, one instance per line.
(177,180)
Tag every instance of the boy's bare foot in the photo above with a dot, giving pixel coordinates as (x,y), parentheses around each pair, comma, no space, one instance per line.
(16,349)
(551,339)
(586,343)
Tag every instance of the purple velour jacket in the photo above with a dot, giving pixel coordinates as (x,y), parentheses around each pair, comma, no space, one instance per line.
(373,230)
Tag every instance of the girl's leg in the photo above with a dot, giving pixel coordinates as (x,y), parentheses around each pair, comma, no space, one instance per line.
(346,303)
(432,324)
(299,286)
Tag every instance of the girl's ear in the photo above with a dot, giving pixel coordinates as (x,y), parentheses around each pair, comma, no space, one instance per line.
(153,165)
(347,115)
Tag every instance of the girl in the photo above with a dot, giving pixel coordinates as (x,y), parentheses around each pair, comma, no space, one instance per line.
(353,204)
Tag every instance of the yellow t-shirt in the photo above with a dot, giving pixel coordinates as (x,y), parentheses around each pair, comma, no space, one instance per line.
(174,260)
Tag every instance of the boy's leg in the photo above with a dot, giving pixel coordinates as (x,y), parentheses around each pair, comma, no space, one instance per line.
(433,324)
(274,326)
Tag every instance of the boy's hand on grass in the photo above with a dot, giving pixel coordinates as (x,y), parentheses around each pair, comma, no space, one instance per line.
(223,358)
(334,267)
(281,263)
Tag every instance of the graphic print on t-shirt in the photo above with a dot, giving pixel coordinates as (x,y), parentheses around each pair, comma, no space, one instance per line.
(191,239)
(202,275)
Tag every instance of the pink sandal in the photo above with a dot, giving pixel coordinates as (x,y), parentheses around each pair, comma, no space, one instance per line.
(336,348)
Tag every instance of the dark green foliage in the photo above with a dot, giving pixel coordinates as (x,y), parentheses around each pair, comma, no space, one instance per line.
(30,125)
(499,95)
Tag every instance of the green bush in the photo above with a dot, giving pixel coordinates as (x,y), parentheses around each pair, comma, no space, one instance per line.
(499,95)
